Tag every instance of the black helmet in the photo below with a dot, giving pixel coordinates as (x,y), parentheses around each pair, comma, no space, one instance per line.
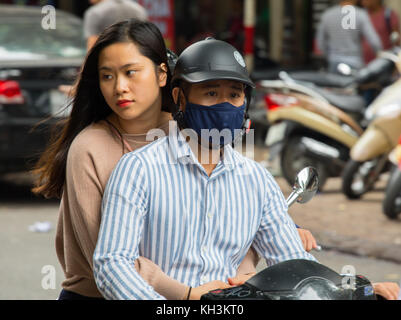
(211,59)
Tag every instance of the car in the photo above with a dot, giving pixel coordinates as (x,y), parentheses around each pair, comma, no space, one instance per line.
(34,61)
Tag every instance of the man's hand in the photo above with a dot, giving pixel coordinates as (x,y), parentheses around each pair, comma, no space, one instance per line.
(388,290)
(308,239)
(240,279)
(197,292)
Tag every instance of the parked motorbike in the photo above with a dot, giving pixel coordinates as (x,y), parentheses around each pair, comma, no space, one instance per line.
(392,200)
(311,126)
(306,130)
(369,155)
(299,279)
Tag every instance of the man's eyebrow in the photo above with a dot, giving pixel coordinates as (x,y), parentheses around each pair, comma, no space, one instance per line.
(237,87)
(210,85)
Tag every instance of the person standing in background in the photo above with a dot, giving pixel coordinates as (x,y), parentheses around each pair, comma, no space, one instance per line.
(104,13)
(341,43)
(385,21)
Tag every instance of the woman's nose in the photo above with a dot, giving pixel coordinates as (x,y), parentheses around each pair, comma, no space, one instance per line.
(121,85)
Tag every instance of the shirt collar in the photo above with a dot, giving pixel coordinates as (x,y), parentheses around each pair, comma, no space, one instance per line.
(182,152)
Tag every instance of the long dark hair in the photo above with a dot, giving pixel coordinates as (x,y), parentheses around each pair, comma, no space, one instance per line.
(89,105)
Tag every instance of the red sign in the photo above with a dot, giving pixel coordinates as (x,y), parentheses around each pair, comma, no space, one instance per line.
(161,13)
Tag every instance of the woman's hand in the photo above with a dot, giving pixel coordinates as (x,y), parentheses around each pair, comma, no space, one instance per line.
(308,239)
(197,292)
(388,290)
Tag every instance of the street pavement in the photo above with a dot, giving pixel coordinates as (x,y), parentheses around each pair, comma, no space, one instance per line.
(352,233)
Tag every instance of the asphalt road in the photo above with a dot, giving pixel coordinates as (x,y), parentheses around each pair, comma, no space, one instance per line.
(29,267)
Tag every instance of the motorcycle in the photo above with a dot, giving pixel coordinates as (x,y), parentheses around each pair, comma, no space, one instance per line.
(299,279)
(311,126)
(392,200)
(369,155)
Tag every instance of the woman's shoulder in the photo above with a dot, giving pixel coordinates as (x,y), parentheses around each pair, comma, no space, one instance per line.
(96,137)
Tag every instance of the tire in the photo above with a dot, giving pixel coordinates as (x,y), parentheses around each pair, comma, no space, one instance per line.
(392,200)
(294,158)
(359,177)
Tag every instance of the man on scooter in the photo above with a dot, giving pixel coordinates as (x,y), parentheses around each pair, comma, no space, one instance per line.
(189,201)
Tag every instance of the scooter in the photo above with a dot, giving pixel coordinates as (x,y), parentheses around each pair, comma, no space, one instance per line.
(313,127)
(299,279)
(306,130)
(369,155)
(392,200)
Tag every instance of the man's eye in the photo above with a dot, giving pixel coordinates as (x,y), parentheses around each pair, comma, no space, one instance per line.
(212,93)
(131,72)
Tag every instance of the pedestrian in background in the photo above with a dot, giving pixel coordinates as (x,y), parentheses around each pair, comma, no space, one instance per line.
(104,13)
(386,23)
(342,43)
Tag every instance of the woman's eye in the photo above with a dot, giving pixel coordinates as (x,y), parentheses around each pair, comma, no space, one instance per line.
(106,76)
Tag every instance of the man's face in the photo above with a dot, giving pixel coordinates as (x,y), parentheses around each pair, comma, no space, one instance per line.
(218,91)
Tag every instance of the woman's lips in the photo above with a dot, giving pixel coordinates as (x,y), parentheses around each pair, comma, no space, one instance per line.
(124,103)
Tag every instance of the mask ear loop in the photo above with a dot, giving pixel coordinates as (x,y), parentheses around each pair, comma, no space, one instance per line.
(246,124)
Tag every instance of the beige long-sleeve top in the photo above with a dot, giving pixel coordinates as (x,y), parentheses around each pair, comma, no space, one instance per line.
(92,157)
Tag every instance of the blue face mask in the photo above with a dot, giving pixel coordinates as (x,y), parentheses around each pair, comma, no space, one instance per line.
(225,117)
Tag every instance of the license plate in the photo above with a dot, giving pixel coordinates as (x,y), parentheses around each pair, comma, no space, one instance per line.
(276,133)
(58,104)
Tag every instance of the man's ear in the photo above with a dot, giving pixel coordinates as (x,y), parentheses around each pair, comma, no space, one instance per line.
(162,75)
(179,97)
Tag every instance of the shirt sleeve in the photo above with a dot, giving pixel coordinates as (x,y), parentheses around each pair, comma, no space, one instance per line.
(123,210)
(90,24)
(369,33)
(277,239)
(83,199)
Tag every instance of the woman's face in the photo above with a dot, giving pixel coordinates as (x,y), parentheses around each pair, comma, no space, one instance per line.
(130,82)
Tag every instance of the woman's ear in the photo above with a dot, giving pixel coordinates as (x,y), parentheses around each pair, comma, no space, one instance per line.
(162,75)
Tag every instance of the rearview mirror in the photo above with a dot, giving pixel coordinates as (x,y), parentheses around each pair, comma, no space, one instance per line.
(305,186)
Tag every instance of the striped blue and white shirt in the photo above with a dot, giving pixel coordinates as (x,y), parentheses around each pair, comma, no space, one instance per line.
(161,204)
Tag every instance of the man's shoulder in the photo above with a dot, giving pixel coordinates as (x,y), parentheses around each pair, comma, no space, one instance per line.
(152,151)
(249,163)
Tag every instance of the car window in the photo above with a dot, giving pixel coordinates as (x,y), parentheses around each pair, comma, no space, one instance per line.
(23,39)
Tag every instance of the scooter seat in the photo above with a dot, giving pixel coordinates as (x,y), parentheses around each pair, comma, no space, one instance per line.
(323,79)
(347,103)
